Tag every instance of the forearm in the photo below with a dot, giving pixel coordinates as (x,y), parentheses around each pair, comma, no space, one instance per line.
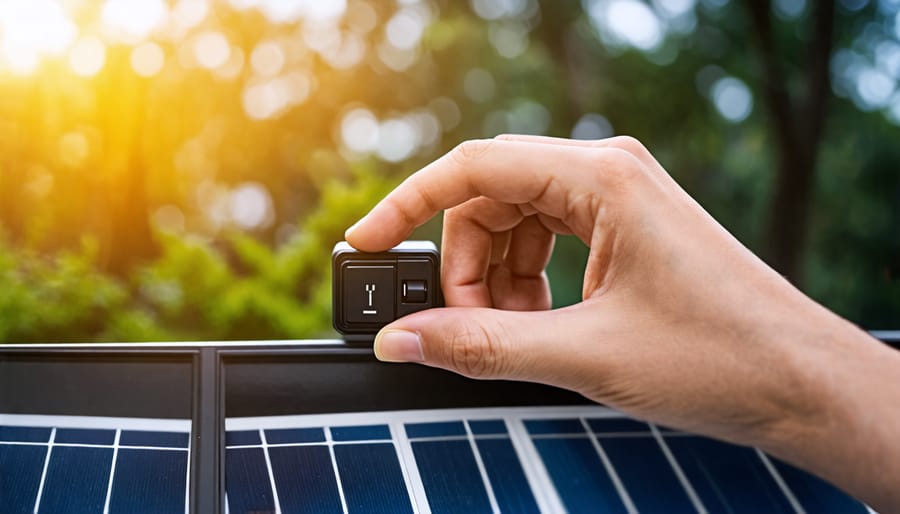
(850,435)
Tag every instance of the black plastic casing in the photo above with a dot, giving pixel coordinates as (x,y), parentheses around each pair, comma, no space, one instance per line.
(410,262)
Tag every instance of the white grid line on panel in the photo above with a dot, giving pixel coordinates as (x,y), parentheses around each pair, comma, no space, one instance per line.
(112,470)
(542,487)
(407,479)
(795,504)
(265,447)
(488,487)
(617,482)
(334,467)
(40,491)
(682,477)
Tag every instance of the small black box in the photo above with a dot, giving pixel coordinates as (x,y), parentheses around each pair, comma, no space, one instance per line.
(370,290)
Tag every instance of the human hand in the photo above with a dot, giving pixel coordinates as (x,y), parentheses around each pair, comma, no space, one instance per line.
(680,324)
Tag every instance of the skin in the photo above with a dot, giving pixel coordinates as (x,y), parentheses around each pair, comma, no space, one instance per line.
(680,324)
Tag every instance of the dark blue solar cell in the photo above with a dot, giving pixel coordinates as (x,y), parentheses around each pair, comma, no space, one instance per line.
(488,426)
(727,478)
(77,479)
(304,478)
(242,438)
(149,481)
(451,477)
(20,475)
(154,439)
(84,436)
(505,473)
(247,481)
(617,425)
(646,474)
(578,475)
(554,426)
(361,433)
(25,434)
(439,429)
(295,435)
(371,478)
(815,494)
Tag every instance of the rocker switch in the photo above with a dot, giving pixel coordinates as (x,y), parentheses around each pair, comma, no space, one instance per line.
(414,291)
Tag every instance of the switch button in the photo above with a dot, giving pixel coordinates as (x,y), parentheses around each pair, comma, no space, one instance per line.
(414,291)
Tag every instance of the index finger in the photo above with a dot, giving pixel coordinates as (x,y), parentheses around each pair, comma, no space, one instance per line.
(516,172)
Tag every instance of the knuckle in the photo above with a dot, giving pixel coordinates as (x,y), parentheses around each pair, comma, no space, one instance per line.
(473,351)
(616,166)
(630,144)
(471,150)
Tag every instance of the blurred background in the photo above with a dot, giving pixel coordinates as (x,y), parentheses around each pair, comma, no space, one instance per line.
(180,169)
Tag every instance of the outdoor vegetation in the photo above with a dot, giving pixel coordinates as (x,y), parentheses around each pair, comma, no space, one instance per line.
(180,169)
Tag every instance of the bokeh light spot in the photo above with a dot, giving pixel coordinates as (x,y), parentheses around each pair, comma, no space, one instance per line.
(732,99)
(397,140)
(592,126)
(359,130)
(251,206)
(87,56)
(211,49)
(267,59)
(147,59)
(405,28)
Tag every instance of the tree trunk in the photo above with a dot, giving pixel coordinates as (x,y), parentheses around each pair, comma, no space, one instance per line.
(798,125)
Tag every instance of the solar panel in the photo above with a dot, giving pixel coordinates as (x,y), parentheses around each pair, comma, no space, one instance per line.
(88,464)
(539,459)
(320,426)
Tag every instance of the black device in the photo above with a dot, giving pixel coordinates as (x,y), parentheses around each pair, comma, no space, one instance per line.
(370,290)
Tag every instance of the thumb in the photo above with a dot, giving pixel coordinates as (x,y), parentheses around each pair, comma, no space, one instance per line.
(479,342)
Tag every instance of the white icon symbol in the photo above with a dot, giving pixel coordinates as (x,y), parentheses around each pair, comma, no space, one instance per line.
(370,288)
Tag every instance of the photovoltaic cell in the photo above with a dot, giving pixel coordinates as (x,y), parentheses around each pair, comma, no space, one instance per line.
(439,429)
(451,477)
(372,479)
(305,479)
(25,434)
(247,481)
(20,476)
(295,435)
(242,438)
(84,436)
(361,433)
(155,439)
(77,479)
(149,481)
(488,426)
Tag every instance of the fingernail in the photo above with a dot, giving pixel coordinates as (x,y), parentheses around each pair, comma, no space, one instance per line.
(399,346)
(353,227)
